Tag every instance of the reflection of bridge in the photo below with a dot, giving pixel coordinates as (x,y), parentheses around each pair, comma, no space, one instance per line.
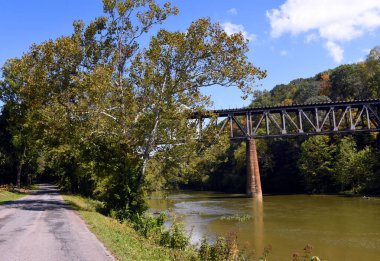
(289,121)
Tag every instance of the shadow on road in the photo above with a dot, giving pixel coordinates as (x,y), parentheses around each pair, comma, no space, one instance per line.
(43,202)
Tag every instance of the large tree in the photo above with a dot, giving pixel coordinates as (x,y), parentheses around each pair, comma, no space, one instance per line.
(98,102)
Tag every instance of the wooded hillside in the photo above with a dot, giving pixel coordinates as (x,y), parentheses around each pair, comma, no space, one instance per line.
(319,164)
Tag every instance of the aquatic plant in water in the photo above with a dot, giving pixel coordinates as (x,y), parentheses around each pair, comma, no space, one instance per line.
(237,217)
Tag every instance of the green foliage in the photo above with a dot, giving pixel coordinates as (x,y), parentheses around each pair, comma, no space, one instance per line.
(7,156)
(224,166)
(337,164)
(237,217)
(149,225)
(347,83)
(152,227)
(107,118)
(175,236)
(217,251)
(316,164)
(318,99)
(355,168)
(223,249)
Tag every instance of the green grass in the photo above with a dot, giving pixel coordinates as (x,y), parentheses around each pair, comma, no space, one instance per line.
(9,196)
(121,239)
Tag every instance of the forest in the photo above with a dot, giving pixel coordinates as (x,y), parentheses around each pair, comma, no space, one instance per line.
(104,113)
(319,164)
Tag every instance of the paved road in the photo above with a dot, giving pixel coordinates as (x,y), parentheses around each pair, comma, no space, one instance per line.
(42,227)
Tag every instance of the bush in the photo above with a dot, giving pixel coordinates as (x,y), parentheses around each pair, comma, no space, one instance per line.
(153,227)
(175,237)
(148,225)
(224,249)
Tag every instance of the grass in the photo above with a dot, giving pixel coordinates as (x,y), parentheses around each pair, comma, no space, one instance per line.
(11,195)
(121,239)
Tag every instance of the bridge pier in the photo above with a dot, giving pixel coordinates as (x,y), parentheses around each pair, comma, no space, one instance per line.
(253,172)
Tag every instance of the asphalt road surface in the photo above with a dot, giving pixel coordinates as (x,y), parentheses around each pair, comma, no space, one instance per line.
(42,227)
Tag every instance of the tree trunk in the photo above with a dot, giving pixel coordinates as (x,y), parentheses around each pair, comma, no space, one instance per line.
(148,148)
(151,140)
(19,169)
(18,181)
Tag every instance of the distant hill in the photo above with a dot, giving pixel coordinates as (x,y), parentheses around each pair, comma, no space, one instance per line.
(350,81)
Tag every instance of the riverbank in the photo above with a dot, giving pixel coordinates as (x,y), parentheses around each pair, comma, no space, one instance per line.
(336,228)
(120,238)
(151,240)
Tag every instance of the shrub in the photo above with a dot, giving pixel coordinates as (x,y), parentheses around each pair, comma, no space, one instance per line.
(175,237)
(153,227)
(224,249)
(149,225)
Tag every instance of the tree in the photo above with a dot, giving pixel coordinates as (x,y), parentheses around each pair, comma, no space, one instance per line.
(170,74)
(347,83)
(325,84)
(54,83)
(102,109)
(355,169)
(306,88)
(316,164)
(371,72)
(161,84)
(374,54)
(7,156)
(14,113)
(318,99)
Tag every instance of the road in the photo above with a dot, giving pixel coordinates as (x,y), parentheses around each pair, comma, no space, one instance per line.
(42,227)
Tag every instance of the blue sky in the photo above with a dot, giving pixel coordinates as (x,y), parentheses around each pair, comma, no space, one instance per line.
(289,38)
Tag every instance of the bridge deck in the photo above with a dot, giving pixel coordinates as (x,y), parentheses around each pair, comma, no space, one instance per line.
(277,108)
(297,119)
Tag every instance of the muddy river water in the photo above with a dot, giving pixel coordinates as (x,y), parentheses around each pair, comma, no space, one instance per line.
(338,228)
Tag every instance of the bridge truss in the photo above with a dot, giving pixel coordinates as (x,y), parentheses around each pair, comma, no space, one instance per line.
(296,120)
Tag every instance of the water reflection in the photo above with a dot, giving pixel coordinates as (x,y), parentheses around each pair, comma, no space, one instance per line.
(258,223)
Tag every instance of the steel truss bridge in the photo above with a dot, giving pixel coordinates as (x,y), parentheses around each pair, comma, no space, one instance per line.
(296,119)
(289,121)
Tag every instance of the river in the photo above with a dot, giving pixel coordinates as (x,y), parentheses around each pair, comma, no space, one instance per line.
(338,228)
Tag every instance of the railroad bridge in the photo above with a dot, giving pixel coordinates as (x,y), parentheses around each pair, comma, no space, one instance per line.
(290,121)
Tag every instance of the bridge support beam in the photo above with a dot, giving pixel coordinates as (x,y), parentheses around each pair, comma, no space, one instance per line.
(253,172)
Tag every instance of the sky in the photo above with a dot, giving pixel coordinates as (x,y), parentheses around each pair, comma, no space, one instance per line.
(289,38)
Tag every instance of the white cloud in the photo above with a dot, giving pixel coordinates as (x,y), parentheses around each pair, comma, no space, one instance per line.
(335,21)
(232,11)
(283,53)
(335,51)
(231,28)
